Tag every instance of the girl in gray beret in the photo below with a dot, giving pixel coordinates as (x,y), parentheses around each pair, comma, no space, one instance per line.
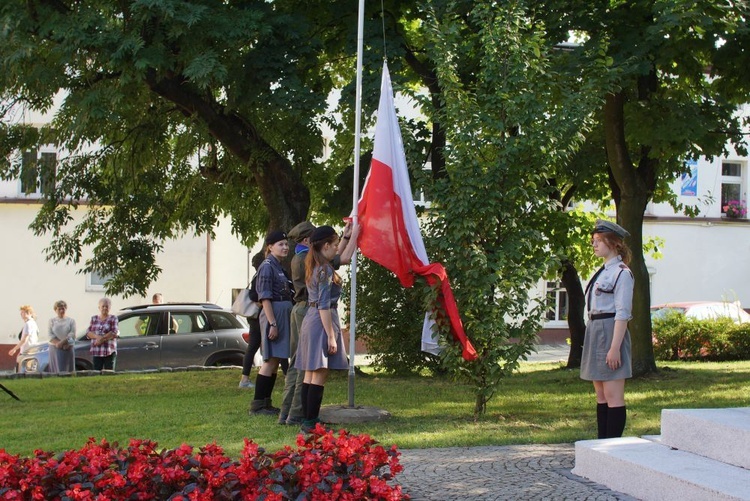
(606,348)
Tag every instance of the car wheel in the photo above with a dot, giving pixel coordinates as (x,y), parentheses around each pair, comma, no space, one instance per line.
(82,365)
(227,360)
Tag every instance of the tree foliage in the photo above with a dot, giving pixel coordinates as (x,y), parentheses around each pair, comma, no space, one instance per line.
(506,127)
(174,113)
(389,320)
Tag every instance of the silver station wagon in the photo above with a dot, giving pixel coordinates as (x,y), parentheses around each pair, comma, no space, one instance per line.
(162,335)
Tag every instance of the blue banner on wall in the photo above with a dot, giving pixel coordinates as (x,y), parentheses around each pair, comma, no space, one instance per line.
(689,180)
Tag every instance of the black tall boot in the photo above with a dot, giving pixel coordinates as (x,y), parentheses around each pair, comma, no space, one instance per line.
(616,421)
(263,388)
(601,420)
(303,398)
(314,401)
(267,398)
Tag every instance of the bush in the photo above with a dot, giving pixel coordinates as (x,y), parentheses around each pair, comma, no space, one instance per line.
(679,338)
(324,466)
(389,320)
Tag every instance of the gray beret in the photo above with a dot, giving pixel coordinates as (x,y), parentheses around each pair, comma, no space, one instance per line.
(604,226)
(301,231)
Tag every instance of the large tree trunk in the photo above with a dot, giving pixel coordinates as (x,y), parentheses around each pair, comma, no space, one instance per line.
(282,190)
(632,189)
(630,216)
(576,307)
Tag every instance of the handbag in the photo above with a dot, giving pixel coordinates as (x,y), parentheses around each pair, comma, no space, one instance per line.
(245,306)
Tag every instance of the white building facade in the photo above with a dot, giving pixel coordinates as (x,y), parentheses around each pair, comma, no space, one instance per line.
(194,269)
(704,258)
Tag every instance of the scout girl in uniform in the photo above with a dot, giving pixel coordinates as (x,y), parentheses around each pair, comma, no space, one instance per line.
(606,347)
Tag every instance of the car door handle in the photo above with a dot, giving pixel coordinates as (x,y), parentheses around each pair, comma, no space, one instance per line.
(151,345)
(205,342)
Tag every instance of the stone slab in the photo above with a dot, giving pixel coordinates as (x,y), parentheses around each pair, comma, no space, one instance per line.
(720,434)
(342,414)
(653,472)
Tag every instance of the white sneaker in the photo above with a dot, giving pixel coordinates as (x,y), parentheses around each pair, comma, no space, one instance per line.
(246,384)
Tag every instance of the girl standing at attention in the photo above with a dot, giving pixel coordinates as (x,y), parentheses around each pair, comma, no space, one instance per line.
(606,347)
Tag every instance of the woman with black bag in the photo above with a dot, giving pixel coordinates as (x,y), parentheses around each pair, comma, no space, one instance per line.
(275,292)
(253,343)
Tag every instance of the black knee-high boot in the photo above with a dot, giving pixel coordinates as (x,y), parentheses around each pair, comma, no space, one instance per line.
(601,420)
(303,399)
(267,397)
(314,401)
(616,421)
(263,388)
(312,408)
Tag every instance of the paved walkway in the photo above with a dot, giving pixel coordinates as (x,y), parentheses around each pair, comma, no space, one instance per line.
(512,472)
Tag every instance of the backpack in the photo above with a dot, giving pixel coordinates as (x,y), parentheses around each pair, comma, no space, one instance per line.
(253,294)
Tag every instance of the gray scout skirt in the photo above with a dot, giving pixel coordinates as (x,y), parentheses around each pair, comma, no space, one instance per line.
(312,353)
(599,334)
(279,347)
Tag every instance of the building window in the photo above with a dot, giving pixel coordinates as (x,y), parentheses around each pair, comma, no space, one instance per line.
(38,172)
(731,183)
(557,302)
(95,281)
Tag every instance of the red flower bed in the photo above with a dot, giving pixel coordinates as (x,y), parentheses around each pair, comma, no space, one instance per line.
(324,466)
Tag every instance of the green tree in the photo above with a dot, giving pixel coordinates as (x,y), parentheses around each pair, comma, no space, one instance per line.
(173,114)
(507,126)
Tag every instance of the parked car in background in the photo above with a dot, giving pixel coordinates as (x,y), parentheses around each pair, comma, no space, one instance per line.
(163,335)
(703,310)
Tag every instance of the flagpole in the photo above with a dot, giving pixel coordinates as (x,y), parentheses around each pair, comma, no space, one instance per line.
(355,198)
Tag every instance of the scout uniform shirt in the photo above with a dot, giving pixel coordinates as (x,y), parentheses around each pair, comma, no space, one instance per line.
(611,290)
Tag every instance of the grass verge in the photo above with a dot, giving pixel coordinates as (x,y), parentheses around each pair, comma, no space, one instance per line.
(542,403)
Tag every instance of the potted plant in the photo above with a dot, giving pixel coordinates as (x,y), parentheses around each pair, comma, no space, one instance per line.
(735,209)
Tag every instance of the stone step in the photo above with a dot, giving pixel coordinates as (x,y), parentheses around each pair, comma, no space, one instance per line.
(720,434)
(651,471)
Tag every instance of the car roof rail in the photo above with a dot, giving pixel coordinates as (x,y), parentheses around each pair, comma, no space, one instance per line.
(165,305)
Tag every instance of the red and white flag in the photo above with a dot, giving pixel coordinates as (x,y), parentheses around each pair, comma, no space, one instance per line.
(390,233)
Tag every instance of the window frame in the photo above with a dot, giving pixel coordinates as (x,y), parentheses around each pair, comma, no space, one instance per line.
(555,287)
(731,180)
(39,165)
(94,285)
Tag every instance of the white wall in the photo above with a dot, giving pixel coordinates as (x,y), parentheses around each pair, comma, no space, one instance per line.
(29,279)
(703,261)
(230,264)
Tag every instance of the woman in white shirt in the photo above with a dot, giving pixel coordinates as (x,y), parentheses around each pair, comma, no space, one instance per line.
(29,334)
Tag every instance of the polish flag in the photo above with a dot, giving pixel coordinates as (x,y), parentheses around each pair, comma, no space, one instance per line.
(389,230)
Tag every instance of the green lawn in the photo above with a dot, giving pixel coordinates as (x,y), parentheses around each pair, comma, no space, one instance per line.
(543,403)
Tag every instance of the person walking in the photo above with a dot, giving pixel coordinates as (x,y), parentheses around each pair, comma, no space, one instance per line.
(29,335)
(321,345)
(606,359)
(275,292)
(62,338)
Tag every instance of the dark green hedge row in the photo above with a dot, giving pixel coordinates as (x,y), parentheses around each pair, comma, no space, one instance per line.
(680,338)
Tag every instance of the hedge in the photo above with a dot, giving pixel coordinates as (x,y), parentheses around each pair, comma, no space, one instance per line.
(677,337)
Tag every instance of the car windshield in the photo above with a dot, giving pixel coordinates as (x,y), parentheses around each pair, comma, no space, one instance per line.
(666,311)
